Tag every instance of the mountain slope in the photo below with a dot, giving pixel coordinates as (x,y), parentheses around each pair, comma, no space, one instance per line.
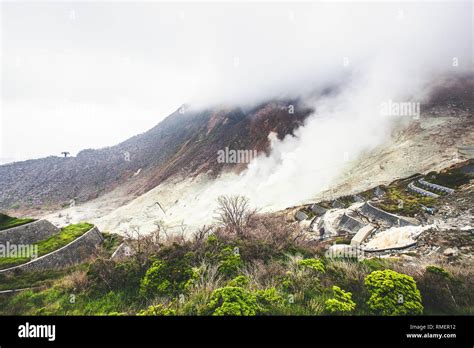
(184,143)
(169,172)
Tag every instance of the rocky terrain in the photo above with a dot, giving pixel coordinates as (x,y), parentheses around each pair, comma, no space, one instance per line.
(402,210)
(170,175)
(439,231)
(279,263)
(185,144)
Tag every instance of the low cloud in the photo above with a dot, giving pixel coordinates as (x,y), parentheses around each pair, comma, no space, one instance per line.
(153,57)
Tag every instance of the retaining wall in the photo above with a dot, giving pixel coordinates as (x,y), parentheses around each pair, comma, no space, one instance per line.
(349,224)
(77,251)
(422,192)
(317,209)
(435,186)
(392,219)
(29,233)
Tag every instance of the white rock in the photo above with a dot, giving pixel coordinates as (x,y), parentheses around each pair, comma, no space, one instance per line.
(450,252)
(305,224)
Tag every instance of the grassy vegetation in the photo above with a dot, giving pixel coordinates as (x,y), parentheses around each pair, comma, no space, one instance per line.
(262,267)
(22,280)
(412,202)
(292,286)
(9,222)
(267,269)
(64,237)
(7,262)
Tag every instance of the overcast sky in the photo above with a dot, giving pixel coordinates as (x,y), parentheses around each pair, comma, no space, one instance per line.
(92,74)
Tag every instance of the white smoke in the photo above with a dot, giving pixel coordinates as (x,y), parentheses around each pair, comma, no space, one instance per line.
(343,126)
(301,166)
(400,64)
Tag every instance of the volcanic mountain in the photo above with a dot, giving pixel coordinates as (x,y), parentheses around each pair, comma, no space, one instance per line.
(167,173)
(184,143)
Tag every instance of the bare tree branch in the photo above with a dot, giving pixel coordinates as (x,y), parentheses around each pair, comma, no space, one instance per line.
(235,213)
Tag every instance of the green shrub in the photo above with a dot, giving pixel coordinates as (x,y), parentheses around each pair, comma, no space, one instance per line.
(212,240)
(393,293)
(105,275)
(159,310)
(239,281)
(234,301)
(230,262)
(305,279)
(269,299)
(194,275)
(153,281)
(167,278)
(341,303)
(313,264)
(287,283)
